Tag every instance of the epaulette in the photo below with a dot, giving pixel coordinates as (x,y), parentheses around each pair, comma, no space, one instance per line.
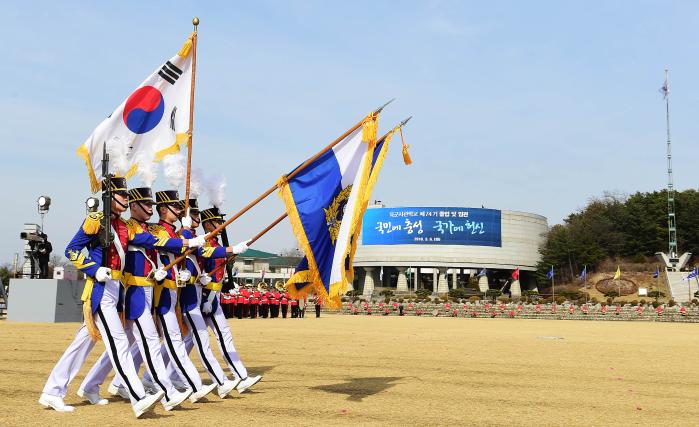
(156,229)
(93,223)
(134,227)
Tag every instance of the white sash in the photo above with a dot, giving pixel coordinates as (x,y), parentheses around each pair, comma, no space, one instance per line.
(119,248)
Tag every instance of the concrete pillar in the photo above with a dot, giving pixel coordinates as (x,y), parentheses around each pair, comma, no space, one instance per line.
(402,285)
(515,289)
(368,282)
(454,278)
(483,283)
(435,280)
(442,285)
(416,283)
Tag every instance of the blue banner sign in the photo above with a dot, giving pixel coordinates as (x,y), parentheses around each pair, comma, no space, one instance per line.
(432,226)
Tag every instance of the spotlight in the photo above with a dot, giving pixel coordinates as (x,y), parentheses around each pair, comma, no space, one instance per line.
(92,204)
(43,203)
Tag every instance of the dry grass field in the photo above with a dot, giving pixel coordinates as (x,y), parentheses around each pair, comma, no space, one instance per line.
(342,370)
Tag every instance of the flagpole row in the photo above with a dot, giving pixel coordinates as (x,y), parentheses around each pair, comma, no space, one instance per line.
(195,22)
(253,240)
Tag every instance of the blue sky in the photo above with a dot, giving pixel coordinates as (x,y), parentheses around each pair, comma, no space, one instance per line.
(532,106)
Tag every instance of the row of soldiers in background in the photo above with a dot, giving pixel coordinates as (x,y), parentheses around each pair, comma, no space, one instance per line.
(248,303)
(179,305)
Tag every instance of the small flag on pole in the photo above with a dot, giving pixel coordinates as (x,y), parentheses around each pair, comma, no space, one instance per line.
(381,274)
(549,275)
(515,274)
(657,273)
(617,275)
(693,274)
(583,274)
(482,273)
(665,88)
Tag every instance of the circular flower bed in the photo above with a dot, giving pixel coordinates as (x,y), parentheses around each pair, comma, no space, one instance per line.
(624,286)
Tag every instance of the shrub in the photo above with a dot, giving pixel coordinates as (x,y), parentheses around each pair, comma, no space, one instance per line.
(353,293)
(474,298)
(634,303)
(656,294)
(504,299)
(695,301)
(611,294)
(493,293)
(594,300)
(457,293)
(655,304)
(642,302)
(423,293)
(386,293)
(672,303)
(610,301)
(400,300)
(560,300)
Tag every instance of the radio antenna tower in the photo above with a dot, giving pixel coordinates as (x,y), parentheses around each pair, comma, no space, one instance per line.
(671,224)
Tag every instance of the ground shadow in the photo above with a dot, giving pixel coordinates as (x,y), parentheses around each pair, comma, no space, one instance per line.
(357,389)
(259,370)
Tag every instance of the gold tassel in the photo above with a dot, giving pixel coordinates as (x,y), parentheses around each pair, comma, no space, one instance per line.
(178,312)
(406,155)
(90,321)
(369,129)
(187,47)
(122,317)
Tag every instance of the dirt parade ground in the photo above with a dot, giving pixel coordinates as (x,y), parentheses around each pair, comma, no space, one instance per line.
(403,371)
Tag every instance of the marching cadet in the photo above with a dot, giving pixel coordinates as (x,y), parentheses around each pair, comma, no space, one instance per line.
(211,307)
(167,291)
(140,275)
(190,302)
(274,303)
(101,296)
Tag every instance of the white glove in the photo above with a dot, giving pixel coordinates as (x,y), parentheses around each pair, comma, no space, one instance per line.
(184,275)
(159,274)
(206,307)
(196,242)
(241,247)
(103,273)
(204,279)
(186,220)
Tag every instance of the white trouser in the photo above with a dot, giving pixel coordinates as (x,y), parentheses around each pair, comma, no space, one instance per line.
(199,335)
(145,342)
(115,340)
(219,325)
(176,350)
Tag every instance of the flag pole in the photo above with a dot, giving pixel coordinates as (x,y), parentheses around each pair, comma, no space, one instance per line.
(195,22)
(274,187)
(253,240)
(553,287)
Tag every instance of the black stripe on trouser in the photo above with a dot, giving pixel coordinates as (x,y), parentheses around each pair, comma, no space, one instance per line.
(173,354)
(201,349)
(223,347)
(151,368)
(115,356)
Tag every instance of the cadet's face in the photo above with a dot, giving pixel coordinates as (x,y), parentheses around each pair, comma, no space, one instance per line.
(196,219)
(119,202)
(141,211)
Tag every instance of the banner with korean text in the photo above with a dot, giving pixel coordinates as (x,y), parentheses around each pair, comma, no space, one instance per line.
(432,226)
